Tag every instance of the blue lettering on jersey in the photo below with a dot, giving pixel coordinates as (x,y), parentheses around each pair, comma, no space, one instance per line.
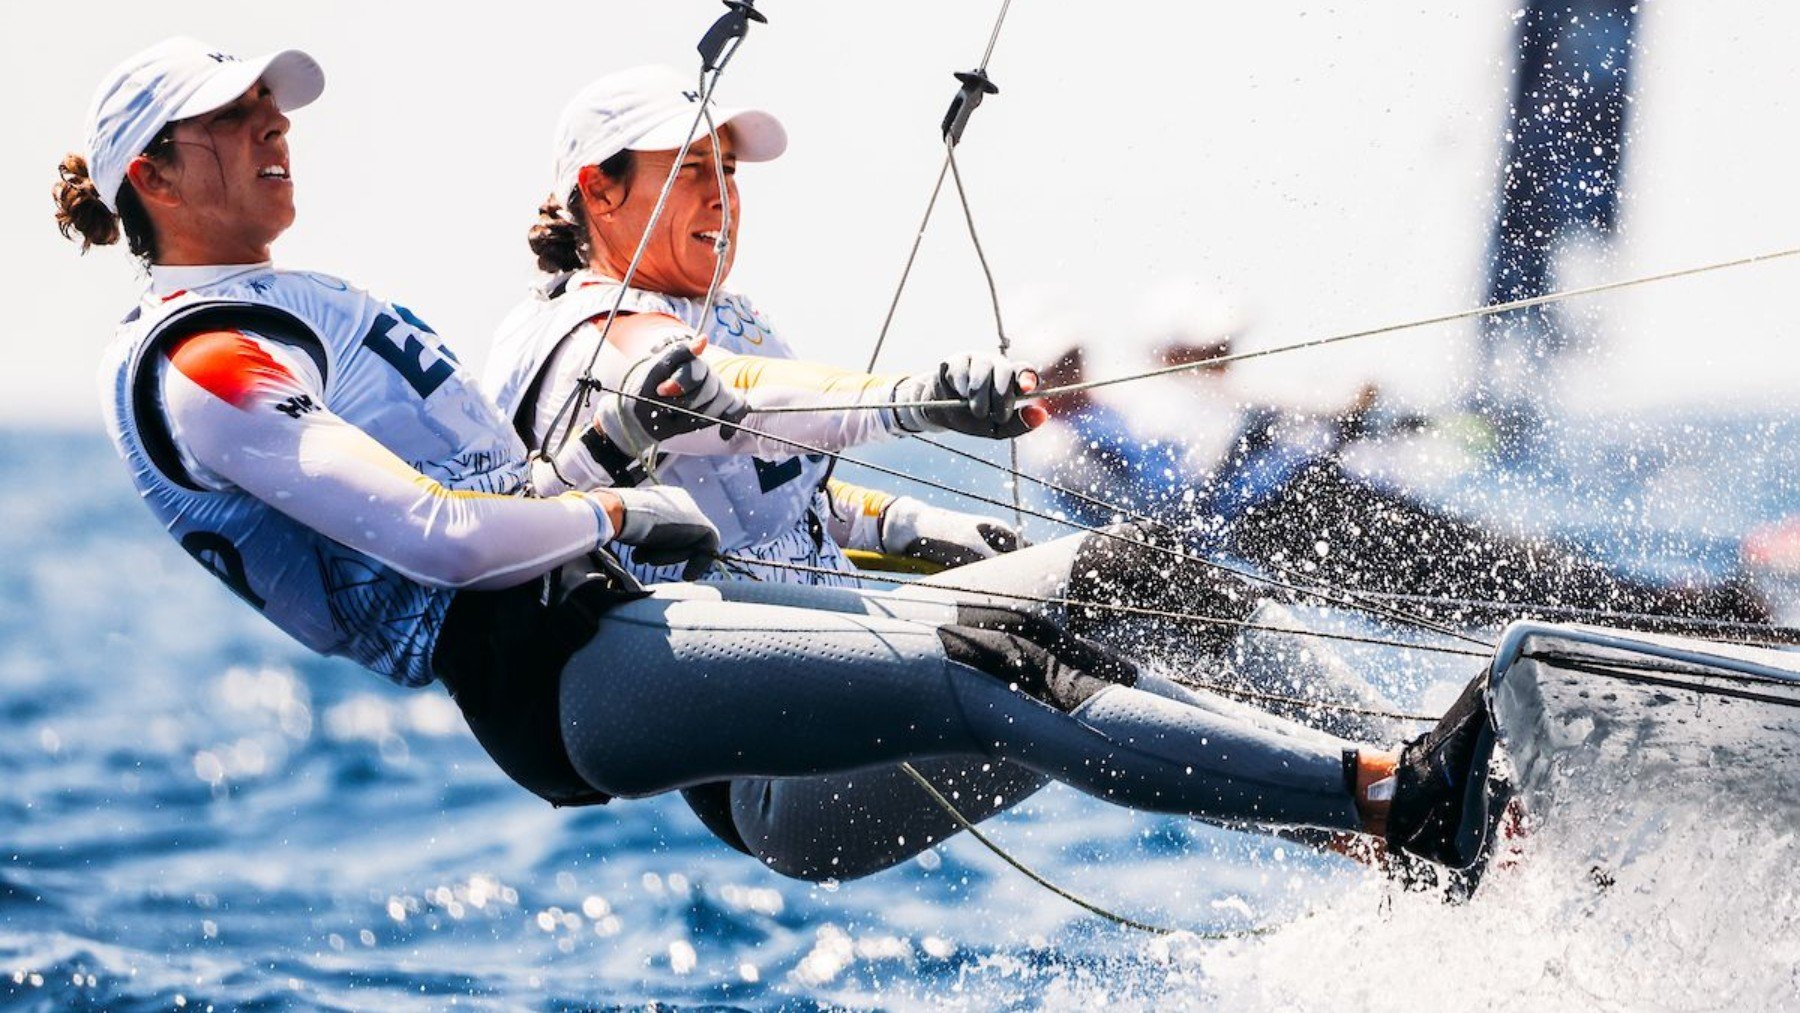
(423,366)
(772,475)
(413,318)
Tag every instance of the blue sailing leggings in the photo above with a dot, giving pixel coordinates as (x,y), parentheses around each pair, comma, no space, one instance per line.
(805,699)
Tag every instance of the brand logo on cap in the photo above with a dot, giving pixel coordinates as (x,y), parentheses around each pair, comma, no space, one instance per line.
(222,58)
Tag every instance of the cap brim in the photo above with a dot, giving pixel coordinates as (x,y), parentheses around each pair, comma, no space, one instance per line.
(756,135)
(294,79)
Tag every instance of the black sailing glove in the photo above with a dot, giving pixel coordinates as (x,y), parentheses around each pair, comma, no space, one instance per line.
(665,526)
(917,530)
(988,387)
(635,424)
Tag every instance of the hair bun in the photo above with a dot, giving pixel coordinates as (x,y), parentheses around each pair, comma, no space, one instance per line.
(79,207)
(556,238)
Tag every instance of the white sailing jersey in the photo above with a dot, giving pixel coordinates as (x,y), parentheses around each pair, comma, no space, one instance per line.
(322,453)
(765,499)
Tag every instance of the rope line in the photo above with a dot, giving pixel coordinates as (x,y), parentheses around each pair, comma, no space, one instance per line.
(1196,618)
(1174,553)
(1133,515)
(962,195)
(1737,633)
(743,563)
(1220,360)
(575,403)
(912,255)
(1032,874)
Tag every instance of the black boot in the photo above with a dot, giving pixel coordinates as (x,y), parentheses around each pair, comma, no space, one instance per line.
(1446,807)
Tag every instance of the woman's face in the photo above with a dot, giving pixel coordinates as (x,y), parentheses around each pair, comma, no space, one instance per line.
(681,253)
(226,194)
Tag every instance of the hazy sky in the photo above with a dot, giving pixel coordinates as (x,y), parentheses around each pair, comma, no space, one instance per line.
(1331,166)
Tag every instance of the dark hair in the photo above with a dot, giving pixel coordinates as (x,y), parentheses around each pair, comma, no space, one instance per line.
(559,238)
(80,209)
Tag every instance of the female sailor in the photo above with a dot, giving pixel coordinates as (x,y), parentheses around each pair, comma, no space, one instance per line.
(324,454)
(615,146)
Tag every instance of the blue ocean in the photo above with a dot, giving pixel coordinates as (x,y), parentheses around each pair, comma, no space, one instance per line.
(198,814)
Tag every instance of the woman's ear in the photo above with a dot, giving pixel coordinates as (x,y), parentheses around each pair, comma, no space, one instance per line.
(153,183)
(600,193)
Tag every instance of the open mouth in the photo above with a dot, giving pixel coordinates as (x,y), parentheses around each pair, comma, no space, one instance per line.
(272,172)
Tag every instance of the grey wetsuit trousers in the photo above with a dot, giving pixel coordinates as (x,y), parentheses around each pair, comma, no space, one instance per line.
(805,699)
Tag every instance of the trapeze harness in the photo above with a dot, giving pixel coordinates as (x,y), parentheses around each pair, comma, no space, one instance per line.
(769,504)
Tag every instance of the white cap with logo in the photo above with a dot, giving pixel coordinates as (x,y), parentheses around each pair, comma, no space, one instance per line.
(174,80)
(649,109)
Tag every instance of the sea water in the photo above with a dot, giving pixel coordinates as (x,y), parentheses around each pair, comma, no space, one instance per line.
(196,813)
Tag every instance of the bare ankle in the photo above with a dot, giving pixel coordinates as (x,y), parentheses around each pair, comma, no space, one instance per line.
(1374,788)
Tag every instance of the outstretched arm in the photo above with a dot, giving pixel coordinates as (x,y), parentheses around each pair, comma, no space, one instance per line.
(249,414)
(876,521)
(989,388)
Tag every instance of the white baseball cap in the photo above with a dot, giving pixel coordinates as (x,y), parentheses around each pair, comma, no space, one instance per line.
(174,80)
(649,109)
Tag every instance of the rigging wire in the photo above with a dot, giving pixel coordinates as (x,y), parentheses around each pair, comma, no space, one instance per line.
(723,246)
(975,85)
(1716,631)
(717,48)
(994,36)
(1012,444)
(1133,515)
(952,129)
(1181,555)
(962,821)
(1196,618)
(1221,360)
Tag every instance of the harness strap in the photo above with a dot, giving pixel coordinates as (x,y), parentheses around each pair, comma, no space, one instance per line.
(1033,653)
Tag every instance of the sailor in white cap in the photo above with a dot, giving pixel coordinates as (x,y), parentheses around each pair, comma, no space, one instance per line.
(183,86)
(616,142)
(317,448)
(321,452)
(618,277)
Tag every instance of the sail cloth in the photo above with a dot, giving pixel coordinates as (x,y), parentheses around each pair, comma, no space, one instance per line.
(1585,712)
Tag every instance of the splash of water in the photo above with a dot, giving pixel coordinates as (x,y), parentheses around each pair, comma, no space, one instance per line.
(1673,892)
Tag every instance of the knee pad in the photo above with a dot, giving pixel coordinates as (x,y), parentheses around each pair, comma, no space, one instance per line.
(1029,651)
